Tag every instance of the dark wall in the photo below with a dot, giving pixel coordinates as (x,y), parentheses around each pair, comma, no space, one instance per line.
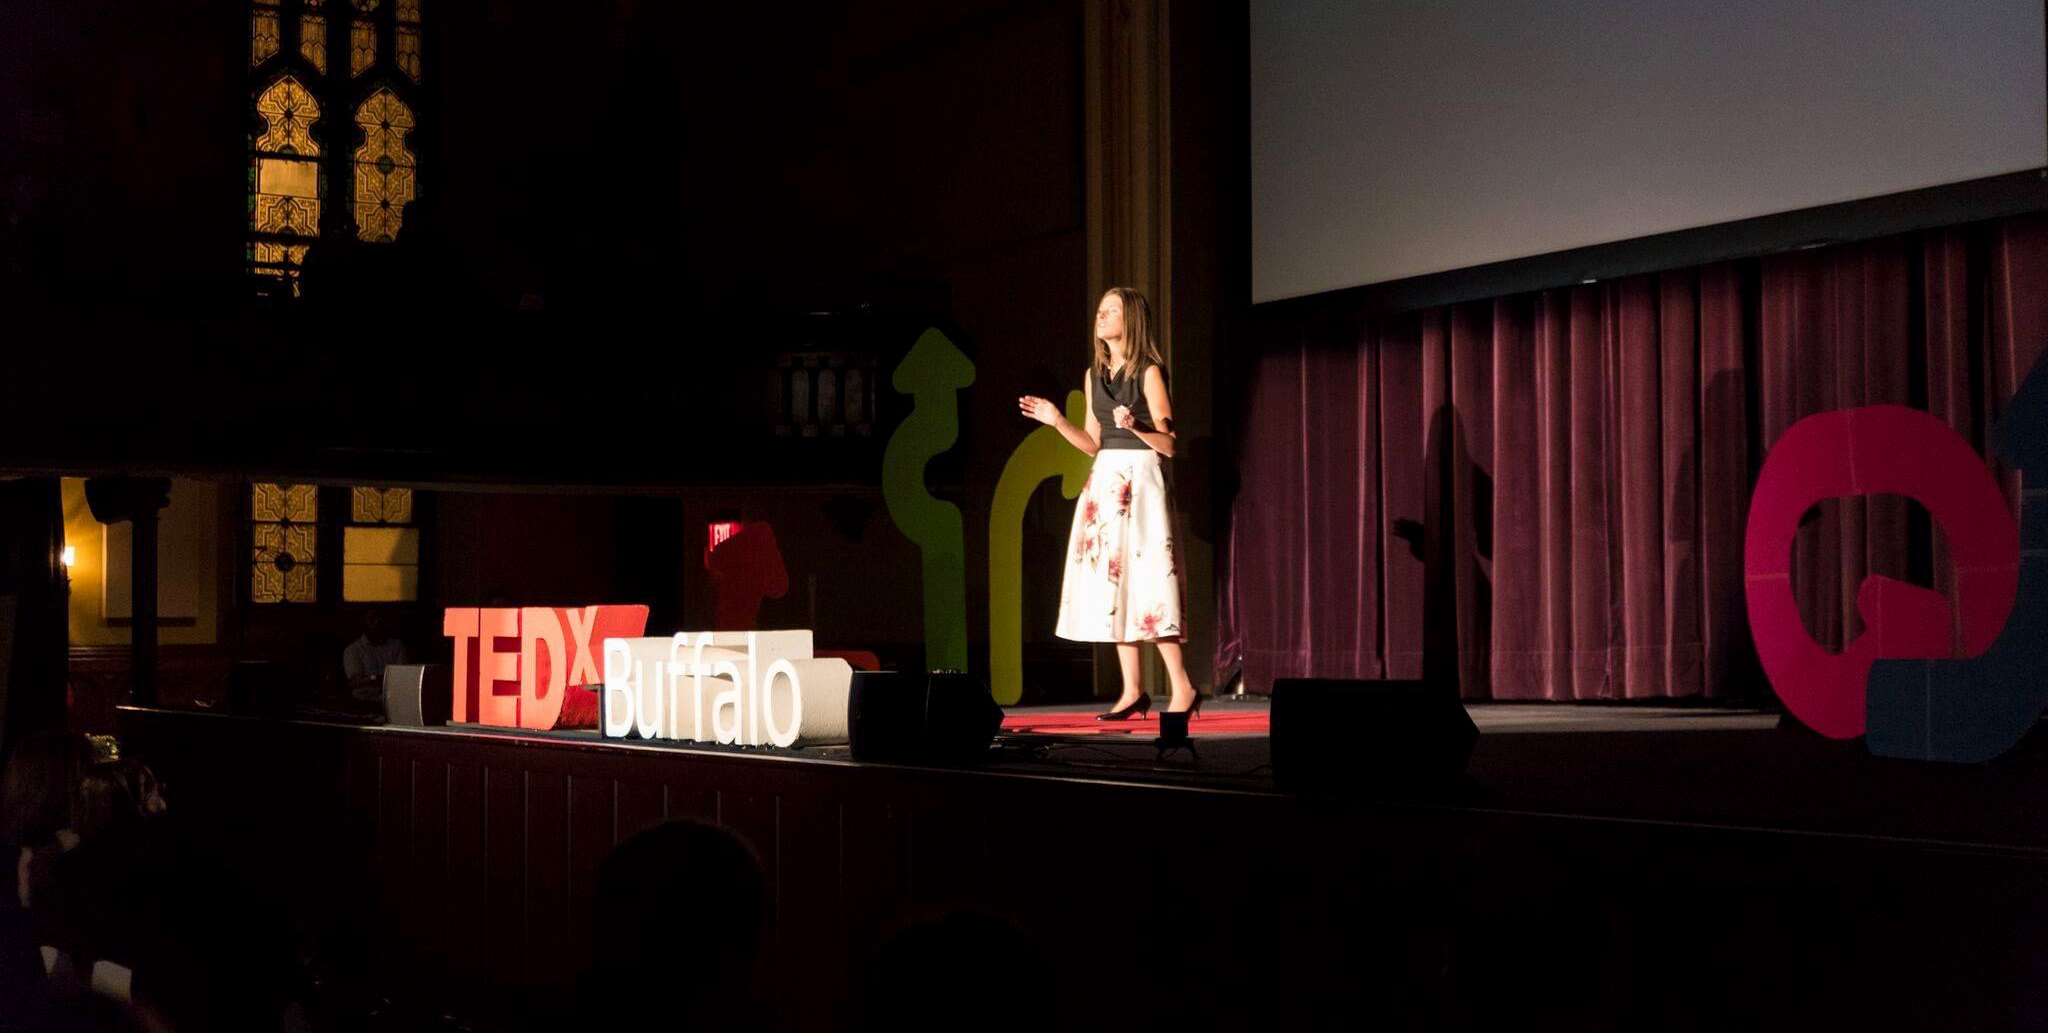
(852,578)
(628,211)
(623,206)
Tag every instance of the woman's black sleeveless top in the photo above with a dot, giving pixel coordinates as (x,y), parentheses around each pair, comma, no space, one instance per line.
(1127,388)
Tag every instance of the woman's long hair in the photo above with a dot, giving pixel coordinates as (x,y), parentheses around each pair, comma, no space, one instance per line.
(1140,347)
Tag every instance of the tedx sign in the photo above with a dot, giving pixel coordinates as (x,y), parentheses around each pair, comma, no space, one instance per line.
(514,667)
(550,667)
(745,688)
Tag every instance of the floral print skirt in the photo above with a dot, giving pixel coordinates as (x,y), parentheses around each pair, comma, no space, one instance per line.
(1122,583)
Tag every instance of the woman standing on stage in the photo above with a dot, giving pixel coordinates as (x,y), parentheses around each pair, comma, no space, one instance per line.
(1122,583)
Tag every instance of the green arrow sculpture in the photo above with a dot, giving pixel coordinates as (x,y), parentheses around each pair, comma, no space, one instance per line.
(932,374)
(1043,453)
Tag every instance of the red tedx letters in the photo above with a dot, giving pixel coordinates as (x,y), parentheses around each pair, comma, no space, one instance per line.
(514,667)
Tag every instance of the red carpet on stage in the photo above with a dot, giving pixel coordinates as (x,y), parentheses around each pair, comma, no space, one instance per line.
(1253,721)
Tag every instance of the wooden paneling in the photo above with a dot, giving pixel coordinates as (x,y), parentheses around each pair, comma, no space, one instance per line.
(684,800)
(468,933)
(636,805)
(547,951)
(592,832)
(874,865)
(809,927)
(502,876)
(429,908)
(464,862)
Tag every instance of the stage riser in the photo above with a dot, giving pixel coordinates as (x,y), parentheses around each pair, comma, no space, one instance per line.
(465,862)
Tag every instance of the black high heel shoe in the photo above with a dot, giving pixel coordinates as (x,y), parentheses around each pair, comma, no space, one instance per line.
(1142,707)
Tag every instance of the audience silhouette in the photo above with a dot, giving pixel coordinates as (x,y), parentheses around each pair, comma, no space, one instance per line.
(679,920)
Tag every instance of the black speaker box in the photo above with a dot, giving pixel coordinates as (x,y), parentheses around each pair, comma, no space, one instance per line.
(915,718)
(419,695)
(1339,735)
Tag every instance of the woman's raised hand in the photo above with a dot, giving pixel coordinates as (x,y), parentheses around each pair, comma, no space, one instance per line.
(1122,415)
(1038,409)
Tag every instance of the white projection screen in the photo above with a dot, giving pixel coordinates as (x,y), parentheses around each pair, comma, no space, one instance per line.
(1396,138)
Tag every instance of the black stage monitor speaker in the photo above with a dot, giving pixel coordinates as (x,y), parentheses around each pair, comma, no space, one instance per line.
(419,695)
(911,718)
(1333,735)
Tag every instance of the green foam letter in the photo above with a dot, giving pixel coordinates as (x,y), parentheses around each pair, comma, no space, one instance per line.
(932,374)
(1043,453)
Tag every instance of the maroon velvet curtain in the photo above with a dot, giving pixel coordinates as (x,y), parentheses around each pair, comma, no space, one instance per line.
(1543,495)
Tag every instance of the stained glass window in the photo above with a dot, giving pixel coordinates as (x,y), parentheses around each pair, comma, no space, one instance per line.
(283,519)
(362,50)
(284,179)
(313,40)
(380,505)
(380,557)
(293,46)
(380,564)
(408,38)
(263,33)
(384,167)
(362,46)
(281,260)
(409,50)
(288,113)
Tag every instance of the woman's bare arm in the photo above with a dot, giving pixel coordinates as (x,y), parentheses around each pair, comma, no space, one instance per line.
(1093,426)
(1089,441)
(1160,434)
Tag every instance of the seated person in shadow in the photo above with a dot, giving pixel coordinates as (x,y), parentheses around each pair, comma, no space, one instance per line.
(107,926)
(678,918)
(364,659)
(38,803)
(38,793)
(136,914)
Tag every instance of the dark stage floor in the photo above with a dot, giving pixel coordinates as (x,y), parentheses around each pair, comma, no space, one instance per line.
(1685,765)
(1680,765)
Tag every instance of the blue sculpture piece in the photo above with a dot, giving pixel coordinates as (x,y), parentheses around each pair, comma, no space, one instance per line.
(1968,711)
